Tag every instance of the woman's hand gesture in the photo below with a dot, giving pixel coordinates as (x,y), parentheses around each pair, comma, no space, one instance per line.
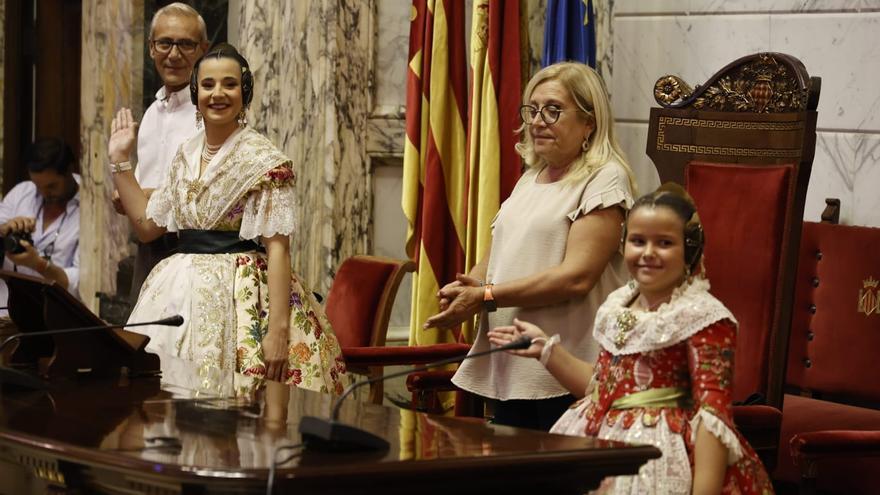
(123,136)
(459,301)
(446,294)
(505,335)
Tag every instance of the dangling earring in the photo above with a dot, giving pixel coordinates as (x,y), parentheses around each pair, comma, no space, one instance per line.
(585,145)
(242,118)
(198,119)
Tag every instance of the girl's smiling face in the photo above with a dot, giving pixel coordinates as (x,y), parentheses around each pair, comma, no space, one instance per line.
(654,251)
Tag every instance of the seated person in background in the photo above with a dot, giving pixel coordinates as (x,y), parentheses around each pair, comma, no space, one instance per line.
(664,374)
(46,209)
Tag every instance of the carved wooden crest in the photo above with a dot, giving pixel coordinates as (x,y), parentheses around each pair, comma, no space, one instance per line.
(760,83)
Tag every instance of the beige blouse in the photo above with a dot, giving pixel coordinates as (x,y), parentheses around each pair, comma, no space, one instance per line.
(529,235)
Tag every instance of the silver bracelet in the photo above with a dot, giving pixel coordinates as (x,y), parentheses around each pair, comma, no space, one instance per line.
(548,348)
(120,167)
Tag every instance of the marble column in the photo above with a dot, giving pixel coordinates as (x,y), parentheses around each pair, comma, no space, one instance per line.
(310,60)
(112,64)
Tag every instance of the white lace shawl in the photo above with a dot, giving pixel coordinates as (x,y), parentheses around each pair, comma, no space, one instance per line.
(186,201)
(690,310)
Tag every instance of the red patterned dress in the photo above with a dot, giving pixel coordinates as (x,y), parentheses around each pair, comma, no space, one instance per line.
(659,375)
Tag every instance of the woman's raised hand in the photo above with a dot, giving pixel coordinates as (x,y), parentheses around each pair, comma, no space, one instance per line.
(123,136)
(504,335)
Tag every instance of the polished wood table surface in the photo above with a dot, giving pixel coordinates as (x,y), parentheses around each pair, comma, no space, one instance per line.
(205,431)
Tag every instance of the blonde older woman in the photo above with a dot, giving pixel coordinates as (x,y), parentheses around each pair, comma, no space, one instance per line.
(555,253)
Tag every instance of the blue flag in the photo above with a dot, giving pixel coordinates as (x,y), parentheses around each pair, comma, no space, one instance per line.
(569,32)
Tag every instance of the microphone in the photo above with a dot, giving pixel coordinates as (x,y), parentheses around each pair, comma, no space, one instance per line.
(171,321)
(25,380)
(333,436)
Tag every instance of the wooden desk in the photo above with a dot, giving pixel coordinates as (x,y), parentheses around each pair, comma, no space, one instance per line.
(214,432)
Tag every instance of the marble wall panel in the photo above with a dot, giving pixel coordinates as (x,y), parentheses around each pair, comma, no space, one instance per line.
(646,48)
(390,63)
(389,236)
(112,64)
(311,64)
(702,7)
(604,14)
(843,49)
(632,137)
(846,166)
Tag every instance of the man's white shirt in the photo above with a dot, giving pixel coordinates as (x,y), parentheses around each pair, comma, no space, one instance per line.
(60,239)
(167,123)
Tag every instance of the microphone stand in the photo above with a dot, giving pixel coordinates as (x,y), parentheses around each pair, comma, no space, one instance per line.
(171,321)
(26,380)
(334,436)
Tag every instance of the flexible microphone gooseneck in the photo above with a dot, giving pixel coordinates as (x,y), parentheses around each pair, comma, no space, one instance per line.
(334,436)
(171,321)
(25,380)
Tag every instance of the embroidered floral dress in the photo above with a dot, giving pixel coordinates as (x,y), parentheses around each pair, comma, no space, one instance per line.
(658,377)
(224,298)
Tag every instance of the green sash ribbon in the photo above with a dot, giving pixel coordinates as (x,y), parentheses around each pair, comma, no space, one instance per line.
(654,397)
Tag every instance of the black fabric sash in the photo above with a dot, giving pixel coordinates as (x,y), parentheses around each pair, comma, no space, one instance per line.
(193,241)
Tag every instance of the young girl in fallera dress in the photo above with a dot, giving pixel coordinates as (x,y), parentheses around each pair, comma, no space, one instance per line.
(664,374)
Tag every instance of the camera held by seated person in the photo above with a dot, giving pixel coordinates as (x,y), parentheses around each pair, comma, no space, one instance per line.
(39,218)
(12,242)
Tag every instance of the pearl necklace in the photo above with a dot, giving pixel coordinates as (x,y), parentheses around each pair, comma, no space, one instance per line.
(209,151)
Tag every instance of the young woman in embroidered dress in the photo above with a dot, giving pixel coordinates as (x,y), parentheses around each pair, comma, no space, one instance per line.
(230,196)
(664,373)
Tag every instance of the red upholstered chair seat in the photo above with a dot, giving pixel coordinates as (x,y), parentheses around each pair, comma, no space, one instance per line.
(812,430)
(831,444)
(403,355)
(359,308)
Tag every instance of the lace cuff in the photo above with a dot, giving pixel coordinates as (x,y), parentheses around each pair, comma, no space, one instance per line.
(603,199)
(269,211)
(159,209)
(720,430)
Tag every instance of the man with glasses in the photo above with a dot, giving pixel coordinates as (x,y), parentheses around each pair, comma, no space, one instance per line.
(39,218)
(178,37)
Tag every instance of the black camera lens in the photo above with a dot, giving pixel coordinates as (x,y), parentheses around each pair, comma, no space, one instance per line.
(12,242)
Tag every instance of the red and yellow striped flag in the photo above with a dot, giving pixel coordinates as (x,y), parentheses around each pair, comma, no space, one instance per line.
(434,159)
(494,166)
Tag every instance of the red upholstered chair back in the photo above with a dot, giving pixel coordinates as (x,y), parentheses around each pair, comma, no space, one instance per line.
(360,300)
(835,331)
(744,210)
(758,111)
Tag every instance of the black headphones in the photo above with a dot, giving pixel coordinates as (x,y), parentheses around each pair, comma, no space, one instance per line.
(224,51)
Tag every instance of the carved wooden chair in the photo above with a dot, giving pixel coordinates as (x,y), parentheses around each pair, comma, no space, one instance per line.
(359,307)
(743,145)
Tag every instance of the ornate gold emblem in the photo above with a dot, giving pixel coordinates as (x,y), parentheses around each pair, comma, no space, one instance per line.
(626,320)
(869,302)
